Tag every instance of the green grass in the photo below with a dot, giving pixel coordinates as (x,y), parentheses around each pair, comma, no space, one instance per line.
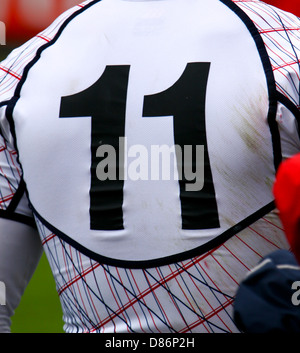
(5,50)
(39,310)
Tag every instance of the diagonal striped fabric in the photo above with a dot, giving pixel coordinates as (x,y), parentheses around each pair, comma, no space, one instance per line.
(195,295)
(280,33)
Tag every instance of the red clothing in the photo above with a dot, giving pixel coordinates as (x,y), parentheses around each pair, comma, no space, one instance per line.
(287,197)
(287,5)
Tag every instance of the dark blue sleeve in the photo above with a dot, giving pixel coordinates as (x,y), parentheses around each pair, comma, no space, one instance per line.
(264,302)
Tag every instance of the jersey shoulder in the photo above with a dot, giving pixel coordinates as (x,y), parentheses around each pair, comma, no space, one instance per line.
(13,67)
(280,32)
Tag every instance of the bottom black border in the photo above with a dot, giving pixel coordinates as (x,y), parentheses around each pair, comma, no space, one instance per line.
(161,261)
(18,218)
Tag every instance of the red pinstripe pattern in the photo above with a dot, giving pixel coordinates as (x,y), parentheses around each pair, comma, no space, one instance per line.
(8,71)
(10,174)
(279,31)
(195,295)
(44,38)
(77,277)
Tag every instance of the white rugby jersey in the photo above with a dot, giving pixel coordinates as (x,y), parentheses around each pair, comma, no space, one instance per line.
(143,138)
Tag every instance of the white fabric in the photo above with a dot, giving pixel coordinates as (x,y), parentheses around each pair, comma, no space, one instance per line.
(20,252)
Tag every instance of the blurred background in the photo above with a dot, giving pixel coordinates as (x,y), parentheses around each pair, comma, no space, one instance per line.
(26,18)
(40,310)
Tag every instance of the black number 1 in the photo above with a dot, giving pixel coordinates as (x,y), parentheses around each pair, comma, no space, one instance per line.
(105,103)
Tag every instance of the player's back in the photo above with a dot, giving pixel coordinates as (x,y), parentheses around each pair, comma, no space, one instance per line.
(128,82)
(147,135)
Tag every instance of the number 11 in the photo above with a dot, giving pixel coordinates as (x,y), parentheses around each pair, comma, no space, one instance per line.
(105,103)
